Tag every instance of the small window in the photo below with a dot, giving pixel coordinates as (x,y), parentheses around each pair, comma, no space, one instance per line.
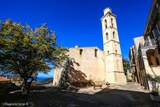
(105,25)
(80,52)
(106,36)
(116,51)
(113,35)
(95,52)
(112,22)
(105,21)
(107,52)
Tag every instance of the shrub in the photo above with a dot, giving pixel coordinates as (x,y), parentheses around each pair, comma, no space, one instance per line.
(155,83)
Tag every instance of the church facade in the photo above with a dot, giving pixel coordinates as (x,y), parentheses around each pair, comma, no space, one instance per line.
(91,63)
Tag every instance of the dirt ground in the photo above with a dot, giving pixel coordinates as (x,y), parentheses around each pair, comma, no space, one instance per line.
(130,95)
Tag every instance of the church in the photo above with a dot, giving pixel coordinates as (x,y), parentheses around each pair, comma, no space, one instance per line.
(91,63)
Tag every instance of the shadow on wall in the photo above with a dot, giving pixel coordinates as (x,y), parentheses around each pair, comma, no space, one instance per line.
(73,78)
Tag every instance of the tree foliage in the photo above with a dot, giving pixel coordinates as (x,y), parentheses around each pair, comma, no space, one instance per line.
(126,65)
(26,52)
(155,80)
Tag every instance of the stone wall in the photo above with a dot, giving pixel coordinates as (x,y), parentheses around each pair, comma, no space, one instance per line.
(89,61)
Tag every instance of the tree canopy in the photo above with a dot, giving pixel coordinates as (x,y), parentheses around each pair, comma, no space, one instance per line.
(126,65)
(26,52)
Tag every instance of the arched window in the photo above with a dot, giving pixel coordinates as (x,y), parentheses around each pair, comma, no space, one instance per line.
(95,52)
(105,23)
(113,35)
(80,52)
(106,36)
(112,22)
(116,51)
(105,20)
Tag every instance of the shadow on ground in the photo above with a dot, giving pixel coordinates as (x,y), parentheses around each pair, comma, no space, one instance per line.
(55,97)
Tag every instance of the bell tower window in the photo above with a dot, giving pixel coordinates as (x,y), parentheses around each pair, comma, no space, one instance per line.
(95,52)
(106,36)
(116,51)
(80,52)
(105,23)
(112,22)
(106,26)
(113,35)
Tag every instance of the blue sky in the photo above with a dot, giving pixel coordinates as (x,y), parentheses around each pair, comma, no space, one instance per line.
(78,21)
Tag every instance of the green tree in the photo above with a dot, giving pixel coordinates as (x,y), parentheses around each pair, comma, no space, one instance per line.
(154,80)
(126,65)
(26,52)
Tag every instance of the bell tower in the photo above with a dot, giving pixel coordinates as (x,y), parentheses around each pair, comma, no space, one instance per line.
(112,51)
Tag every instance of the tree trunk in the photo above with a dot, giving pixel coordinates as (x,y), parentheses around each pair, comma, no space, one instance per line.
(26,87)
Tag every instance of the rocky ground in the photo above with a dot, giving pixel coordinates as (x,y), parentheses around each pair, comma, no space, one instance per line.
(130,95)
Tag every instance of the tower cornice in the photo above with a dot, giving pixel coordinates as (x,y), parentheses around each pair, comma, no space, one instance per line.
(110,27)
(112,40)
(108,14)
